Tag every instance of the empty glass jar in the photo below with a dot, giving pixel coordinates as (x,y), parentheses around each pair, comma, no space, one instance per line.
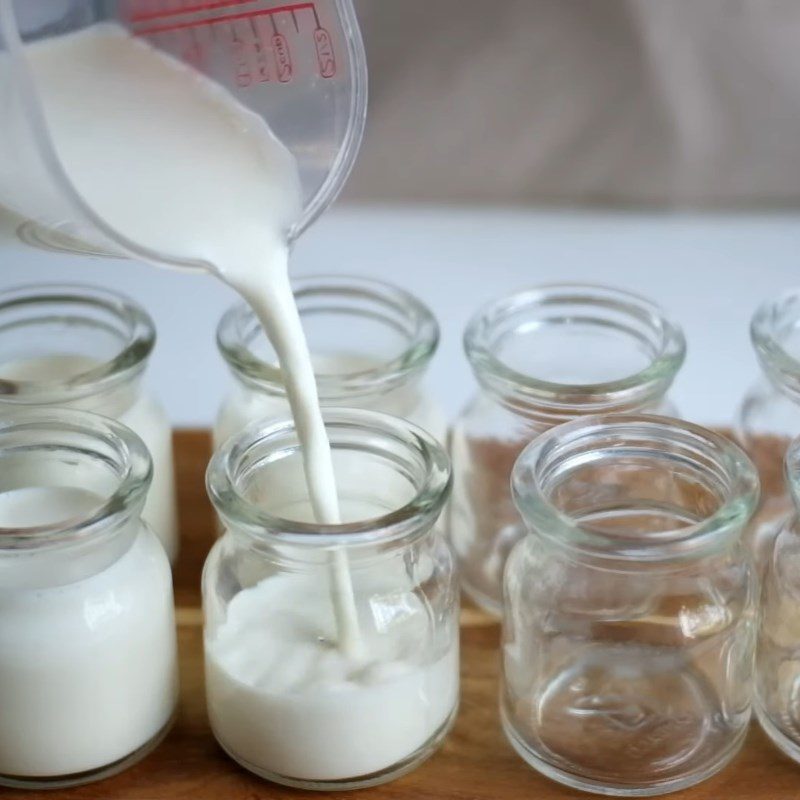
(75,346)
(542,357)
(778,662)
(769,417)
(371,343)
(88,658)
(331,650)
(628,629)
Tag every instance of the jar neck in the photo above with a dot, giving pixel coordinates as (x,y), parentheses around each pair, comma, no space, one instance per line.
(635,490)
(558,352)
(392,481)
(775,334)
(72,346)
(72,488)
(367,339)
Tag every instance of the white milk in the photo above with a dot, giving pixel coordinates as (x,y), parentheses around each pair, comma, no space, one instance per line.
(247,403)
(133,407)
(286,703)
(173,162)
(88,669)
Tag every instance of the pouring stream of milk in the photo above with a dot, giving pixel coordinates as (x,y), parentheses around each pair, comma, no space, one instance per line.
(273,303)
(174,162)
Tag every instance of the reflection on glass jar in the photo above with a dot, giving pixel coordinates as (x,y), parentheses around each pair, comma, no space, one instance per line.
(543,357)
(769,417)
(371,343)
(76,346)
(88,659)
(778,662)
(292,696)
(629,607)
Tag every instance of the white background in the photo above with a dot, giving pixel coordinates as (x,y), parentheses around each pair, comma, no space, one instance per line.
(708,271)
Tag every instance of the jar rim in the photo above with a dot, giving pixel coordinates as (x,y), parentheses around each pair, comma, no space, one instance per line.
(765,334)
(669,349)
(420,328)
(408,520)
(35,428)
(622,435)
(137,326)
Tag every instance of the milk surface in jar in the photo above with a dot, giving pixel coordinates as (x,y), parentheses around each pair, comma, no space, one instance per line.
(154,122)
(288,705)
(88,660)
(77,346)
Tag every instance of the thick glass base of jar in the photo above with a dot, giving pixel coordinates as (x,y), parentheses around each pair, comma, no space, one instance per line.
(387,775)
(784,743)
(547,769)
(92,775)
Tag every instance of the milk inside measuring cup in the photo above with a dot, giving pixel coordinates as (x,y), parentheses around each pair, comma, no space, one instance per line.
(172,161)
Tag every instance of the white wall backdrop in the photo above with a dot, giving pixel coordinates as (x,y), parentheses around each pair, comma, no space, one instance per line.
(709,271)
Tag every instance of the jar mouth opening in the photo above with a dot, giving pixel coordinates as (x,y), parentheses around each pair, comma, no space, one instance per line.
(636,487)
(581,346)
(379,448)
(775,334)
(82,451)
(50,316)
(386,336)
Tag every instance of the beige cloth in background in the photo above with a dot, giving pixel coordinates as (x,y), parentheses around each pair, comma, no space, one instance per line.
(562,101)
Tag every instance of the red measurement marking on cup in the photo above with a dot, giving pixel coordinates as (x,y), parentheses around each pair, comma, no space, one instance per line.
(250,46)
(283,59)
(165,13)
(325,59)
(243,74)
(324,47)
(229,18)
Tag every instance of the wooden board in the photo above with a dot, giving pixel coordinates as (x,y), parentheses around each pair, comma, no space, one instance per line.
(475,762)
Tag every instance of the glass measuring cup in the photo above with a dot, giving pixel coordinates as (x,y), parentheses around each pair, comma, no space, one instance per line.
(300,65)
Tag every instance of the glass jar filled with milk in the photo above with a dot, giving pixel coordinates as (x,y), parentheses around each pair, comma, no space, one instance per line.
(370,342)
(87,348)
(88,663)
(331,650)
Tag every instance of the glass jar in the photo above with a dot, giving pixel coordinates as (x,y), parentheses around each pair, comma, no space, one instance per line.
(76,346)
(629,619)
(371,343)
(769,417)
(778,655)
(331,650)
(543,357)
(88,661)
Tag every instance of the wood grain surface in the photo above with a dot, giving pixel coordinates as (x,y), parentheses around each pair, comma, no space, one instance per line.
(475,762)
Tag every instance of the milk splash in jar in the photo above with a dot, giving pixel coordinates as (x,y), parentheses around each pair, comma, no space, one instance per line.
(175,163)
